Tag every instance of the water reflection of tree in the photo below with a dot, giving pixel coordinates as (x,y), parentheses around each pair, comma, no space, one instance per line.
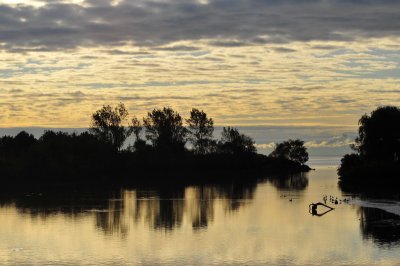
(380,226)
(103,203)
(290,182)
(169,214)
(231,196)
(162,208)
(236,195)
(45,203)
(110,220)
(166,208)
(200,204)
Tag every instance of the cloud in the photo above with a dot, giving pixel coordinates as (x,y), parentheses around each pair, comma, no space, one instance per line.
(303,89)
(119,52)
(283,50)
(65,25)
(340,141)
(270,145)
(385,91)
(178,48)
(228,43)
(326,47)
(343,140)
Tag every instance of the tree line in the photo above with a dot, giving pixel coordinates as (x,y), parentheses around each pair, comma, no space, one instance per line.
(163,142)
(165,131)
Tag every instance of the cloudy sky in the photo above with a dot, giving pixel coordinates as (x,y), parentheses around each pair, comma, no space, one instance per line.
(289,63)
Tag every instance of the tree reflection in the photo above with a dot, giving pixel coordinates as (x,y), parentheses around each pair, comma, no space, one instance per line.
(200,205)
(160,208)
(111,219)
(72,202)
(290,182)
(380,226)
(236,195)
(169,214)
(166,208)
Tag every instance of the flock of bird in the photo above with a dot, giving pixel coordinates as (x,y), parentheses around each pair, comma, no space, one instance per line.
(332,199)
(335,200)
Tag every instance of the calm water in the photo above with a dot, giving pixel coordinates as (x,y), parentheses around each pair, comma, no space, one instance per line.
(264,222)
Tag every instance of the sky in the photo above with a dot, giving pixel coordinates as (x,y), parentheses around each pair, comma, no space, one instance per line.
(305,64)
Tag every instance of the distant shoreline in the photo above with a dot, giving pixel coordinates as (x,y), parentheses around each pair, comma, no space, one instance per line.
(215,169)
(261,135)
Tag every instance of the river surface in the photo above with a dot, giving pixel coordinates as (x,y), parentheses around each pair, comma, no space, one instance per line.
(253,223)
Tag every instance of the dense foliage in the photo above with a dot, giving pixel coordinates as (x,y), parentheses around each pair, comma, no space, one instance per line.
(379,134)
(165,130)
(377,147)
(107,125)
(292,149)
(232,142)
(200,131)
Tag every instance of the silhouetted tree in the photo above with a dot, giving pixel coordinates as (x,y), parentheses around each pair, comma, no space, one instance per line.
(379,134)
(107,125)
(235,143)
(136,128)
(50,136)
(6,145)
(60,156)
(377,161)
(292,149)
(200,132)
(24,141)
(165,130)
(349,162)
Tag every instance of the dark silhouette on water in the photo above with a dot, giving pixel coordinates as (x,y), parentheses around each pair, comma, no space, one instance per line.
(312,209)
(376,162)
